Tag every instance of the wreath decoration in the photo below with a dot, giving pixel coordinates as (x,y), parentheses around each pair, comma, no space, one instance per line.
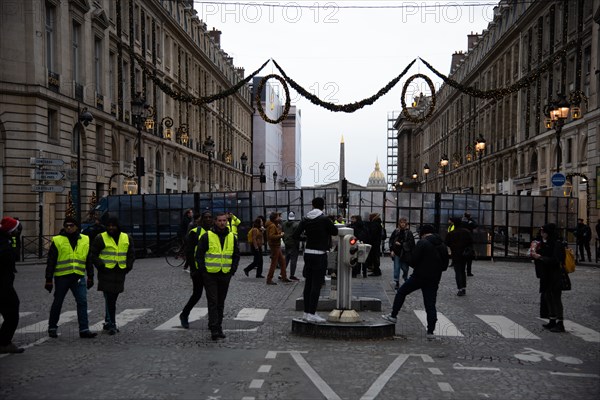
(259,106)
(405,112)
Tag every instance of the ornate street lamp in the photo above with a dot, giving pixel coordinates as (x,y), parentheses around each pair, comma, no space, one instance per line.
(285,183)
(209,148)
(557,112)
(168,123)
(244,161)
(480,149)
(274,180)
(426,171)
(84,118)
(444,163)
(142,114)
(262,177)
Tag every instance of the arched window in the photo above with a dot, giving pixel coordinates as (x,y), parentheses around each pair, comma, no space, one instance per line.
(533,164)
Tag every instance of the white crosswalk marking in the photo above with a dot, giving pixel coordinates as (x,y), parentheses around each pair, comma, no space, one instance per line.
(443,327)
(174,324)
(123,318)
(252,314)
(42,326)
(581,331)
(507,328)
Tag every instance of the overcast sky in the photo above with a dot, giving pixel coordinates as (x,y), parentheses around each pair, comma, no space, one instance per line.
(345,51)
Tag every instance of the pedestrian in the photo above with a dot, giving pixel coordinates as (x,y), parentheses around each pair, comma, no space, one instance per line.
(470,224)
(318,229)
(583,236)
(548,257)
(361,233)
(68,262)
(402,243)
(460,242)
(375,228)
(217,257)
(17,243)
(256,243)
(205,223)
(292,246)
(339,220)
(113,255)
(9,300)
(186,218)
(274,236)
(232,223)
(194,223)
(428,259)
(94,229)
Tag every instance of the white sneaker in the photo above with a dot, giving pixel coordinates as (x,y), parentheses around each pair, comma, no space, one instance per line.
(315,318)
(305,316)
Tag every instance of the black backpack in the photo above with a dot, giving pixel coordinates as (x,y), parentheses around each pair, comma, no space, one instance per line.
(443,253)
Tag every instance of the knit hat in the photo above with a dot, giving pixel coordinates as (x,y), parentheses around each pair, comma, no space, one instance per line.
(291,216)
(8,224)
(70,220)
(426,229)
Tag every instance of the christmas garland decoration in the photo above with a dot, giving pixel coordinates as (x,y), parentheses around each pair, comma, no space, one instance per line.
(348,108)
(259,105)
(500,93)
(405,112)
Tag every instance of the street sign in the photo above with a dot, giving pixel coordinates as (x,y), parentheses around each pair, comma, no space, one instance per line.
(558,179)
(47,188)
(43,175)
(45,161)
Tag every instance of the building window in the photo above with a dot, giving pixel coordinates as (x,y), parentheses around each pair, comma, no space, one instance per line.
(111,76)
(75,51)
(98,64)
(50,37)
(53,133)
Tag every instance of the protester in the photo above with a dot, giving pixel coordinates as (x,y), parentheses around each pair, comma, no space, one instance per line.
(583,236)
(113,255)
(9,300)
(217,258)
(292,246)
(470,224)
(402,242)
(187,217)
(68,262)
(375,228)
(460,242)
(429,259)
(95,228)
(361,233)
(205,223)
(318,230)
(548,257)
(274,236)
(232,223)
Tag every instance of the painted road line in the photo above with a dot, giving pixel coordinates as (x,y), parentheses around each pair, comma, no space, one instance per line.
(252,314)
(460,366)
(575,374)
(124,317)
(443,327)
(582,332)
(506,327)
(174,324)
(383,379)
(435,371)
(314,377)
(264,369)
(256,383)
(445,387)
(42,326)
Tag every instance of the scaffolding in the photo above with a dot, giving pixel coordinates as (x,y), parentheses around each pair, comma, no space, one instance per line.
(392,149)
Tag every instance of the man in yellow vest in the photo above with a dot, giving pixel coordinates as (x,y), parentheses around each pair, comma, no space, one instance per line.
(205,223)
(68,262)
(113,254)
(233,223)
(217,258)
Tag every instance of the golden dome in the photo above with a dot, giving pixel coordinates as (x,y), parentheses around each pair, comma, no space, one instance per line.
(377,178)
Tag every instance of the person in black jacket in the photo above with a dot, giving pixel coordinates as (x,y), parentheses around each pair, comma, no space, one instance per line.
(375,228)
(459,240)
(9,301)
(548,258)
(429,259)
(402,243)
(318,229)
(361,232)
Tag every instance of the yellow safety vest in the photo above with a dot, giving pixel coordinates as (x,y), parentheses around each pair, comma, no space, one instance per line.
(113,253)
(233,225)
(219,258)
(451,228)
(14,242)
(202,232)
(69,260)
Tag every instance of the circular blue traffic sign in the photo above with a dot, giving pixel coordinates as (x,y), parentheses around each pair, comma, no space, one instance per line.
(558,179)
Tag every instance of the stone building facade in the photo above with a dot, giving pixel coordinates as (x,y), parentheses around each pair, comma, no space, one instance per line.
(520,155)
(61,58)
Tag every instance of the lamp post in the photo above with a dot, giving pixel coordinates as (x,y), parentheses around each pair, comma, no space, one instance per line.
(262,177)
(84,117)
(140,109)
(415,176)
(244,161)
(274,180)
(444,163)
(426,171)
(130,184)
(557,113)
(209,148)
(285,182)
(480,148)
